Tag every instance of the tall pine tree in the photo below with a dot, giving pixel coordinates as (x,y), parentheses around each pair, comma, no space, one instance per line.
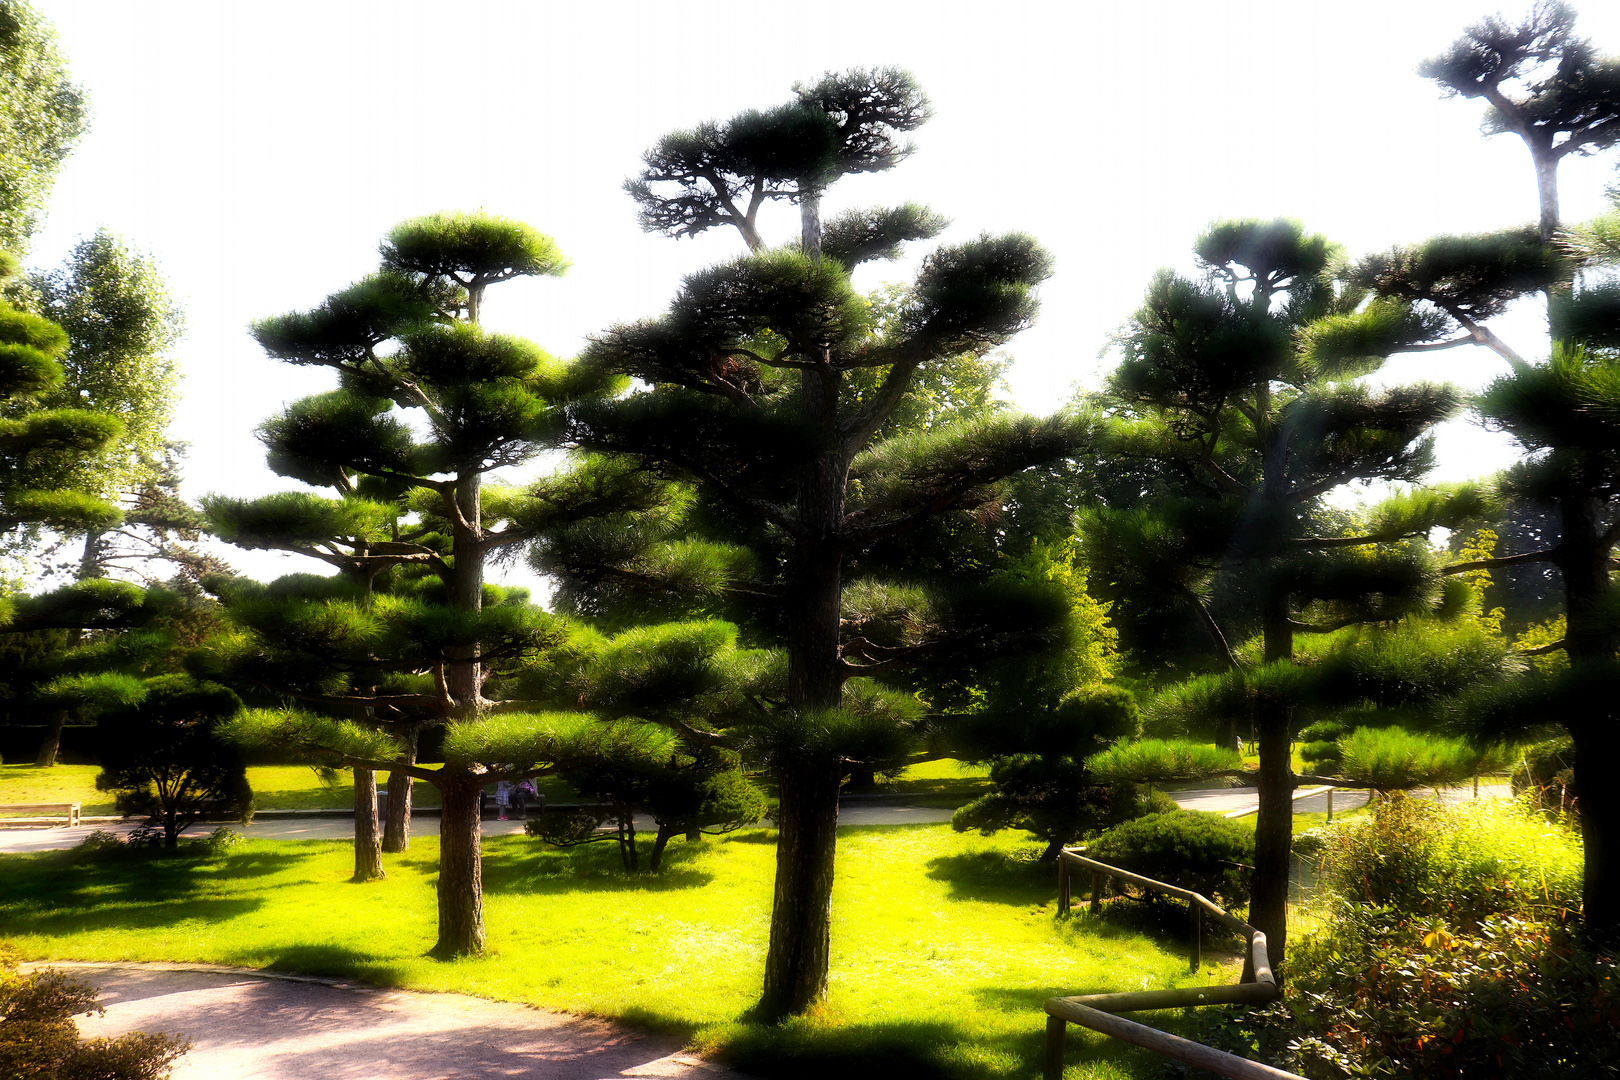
(766,390)
(1244,383)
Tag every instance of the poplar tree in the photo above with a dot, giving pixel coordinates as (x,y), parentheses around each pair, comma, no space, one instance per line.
(1243,382)
(765,392)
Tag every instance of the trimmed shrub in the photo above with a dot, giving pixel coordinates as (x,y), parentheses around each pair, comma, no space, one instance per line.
(1187,848)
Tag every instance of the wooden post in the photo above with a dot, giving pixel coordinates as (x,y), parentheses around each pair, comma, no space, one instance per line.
(1476,785)
(1096,891)
(1055,1026)
(1330,806)
(1063,884)
(1195,922)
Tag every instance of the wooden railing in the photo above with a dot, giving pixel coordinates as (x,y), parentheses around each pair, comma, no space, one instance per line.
(1096,1011)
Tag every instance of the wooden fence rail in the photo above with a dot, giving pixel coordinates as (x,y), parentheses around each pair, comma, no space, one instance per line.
(1096,1011)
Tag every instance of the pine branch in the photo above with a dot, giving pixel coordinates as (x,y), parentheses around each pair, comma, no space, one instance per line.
(1542,650)
(1548,555)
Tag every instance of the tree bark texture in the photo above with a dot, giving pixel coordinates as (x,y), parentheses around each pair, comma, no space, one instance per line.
(466,591)
(397,828)
(51,743)
(367,846)
(801,913)
(1274,823)
(461,872)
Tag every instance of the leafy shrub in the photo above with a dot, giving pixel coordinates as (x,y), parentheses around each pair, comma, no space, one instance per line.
(1458,864)
(1187,848)
(220,841)
(101,840)
(1446,953)
(38,1037)
(1057,799)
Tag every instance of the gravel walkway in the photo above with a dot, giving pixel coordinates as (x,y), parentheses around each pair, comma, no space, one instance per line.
(247,1026)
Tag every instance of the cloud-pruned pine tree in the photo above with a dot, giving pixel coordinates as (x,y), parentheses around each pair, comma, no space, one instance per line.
(764,398)
(428,403)
(1554,91)
(1244,383)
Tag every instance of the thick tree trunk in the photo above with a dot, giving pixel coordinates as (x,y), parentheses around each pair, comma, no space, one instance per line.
(51,744)
(655,861)
(461,872)
(801,915)
(367,847)
(1274,824)
(1590,642)
(1547,191)
(397,827)
(810,221)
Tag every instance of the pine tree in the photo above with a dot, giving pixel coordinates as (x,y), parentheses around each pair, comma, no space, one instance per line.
(767,388)
(429,653)
(1551,88)
(1244,383)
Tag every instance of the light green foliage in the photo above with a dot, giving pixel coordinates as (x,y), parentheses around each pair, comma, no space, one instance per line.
(120,319)
(470,247)
(1160,761)
(1390,759)
(37,442)
(1091,654)
(42,116)
(1546,633)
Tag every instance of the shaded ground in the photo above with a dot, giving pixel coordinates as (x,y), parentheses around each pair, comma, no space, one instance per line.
(248,1026)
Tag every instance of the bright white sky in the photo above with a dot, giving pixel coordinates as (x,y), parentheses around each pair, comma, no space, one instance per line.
(259,151)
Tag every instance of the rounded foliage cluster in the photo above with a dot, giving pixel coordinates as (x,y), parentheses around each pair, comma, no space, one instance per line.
(1186,848)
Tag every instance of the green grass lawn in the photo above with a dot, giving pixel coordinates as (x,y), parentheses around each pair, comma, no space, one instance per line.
(941,775)
(944,944)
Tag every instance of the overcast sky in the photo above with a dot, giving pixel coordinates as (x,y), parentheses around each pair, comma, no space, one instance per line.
(259,151)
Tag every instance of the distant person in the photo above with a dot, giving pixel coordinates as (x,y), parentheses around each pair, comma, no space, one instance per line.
(503,798)
(521,793)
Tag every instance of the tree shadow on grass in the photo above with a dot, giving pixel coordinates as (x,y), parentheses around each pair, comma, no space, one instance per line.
(66,892)
(524,866)
(924,1050)
(998,877)
(332,960)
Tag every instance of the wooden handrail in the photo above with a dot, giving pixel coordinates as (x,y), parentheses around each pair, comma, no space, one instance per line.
(1096,1011)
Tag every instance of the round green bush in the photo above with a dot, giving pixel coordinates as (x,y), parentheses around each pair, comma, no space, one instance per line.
(1186,848)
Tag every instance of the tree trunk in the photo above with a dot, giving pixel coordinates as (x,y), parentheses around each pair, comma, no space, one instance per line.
(367,849)
(461,872)
(1274,824)
(1590,643)
(51,744)
(1547,191)
(655,861)
(462,675)
(801,915)
(397,829)
(810,221)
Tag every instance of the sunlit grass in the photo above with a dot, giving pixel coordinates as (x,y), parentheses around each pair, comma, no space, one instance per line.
(944,944)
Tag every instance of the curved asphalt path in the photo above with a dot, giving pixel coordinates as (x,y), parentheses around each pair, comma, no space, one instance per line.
(246,1025)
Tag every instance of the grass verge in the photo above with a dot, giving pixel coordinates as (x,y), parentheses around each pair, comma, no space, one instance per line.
(945,944)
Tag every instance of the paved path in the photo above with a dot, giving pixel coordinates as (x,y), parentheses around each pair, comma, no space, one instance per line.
(248,1026)
(335,828)
(1219,800)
